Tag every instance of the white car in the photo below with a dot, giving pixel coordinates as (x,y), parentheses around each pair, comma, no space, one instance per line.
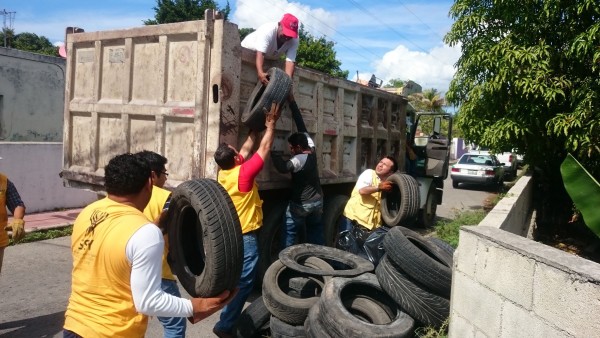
(477,168)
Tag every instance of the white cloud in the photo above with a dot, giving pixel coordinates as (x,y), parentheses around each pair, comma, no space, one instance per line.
(433,69)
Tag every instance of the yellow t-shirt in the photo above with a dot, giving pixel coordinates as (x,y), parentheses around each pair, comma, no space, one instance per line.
(247,204)
(365,209)
(153,211)
(101,302)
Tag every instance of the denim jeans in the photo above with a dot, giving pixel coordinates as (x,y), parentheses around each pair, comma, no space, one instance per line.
(173,326)
(305,219)
(232,311)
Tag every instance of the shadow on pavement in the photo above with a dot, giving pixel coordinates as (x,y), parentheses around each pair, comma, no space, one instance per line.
(42,326)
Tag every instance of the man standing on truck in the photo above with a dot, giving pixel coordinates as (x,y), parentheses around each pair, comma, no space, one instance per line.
(273,39)
(305,208)
(237,175)
(363,208)
(156,208)
(10,198)
(117,262)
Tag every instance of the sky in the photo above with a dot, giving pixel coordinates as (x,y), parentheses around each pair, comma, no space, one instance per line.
(394,39)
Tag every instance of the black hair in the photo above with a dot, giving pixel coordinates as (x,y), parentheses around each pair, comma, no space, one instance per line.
(156,161)
(126,174)
(299,139)
(225,156)
(394,162)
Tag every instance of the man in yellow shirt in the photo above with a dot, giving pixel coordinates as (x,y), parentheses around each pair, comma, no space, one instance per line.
(159,203)
(117,262)
(10,198)
(237,175)
(363,207)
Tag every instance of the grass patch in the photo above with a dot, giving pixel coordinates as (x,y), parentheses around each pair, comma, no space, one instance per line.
(430,332)
(448,230)
(45,234)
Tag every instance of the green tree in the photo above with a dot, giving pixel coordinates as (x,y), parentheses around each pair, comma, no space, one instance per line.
(244,32)
(168,11)
(529,78)
(318,53)
(429,100)
(395,83)
(29,42)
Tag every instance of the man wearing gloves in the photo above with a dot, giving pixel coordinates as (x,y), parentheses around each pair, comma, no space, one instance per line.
(9,198)
(363,207)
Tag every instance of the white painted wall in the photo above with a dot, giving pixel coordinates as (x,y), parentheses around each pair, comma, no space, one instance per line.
(34,168)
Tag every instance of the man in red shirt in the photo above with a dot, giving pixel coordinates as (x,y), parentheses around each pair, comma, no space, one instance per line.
(237,176)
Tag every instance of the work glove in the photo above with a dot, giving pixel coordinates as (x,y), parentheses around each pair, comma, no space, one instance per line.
(385,186)
(17,226)
(272,116)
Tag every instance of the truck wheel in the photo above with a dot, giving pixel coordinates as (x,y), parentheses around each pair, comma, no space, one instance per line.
(401,204)
(427,215)
(333,209)
(262,97)
(269,238)
(205,238)
(293,255)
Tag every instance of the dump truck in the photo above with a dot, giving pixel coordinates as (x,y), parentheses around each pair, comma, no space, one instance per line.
(180,90)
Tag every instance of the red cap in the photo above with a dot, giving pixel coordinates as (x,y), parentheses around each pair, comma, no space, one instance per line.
(289,24)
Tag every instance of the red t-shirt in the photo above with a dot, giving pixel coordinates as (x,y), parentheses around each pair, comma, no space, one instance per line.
(249,171)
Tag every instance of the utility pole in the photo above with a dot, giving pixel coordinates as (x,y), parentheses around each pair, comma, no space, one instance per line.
(11,18)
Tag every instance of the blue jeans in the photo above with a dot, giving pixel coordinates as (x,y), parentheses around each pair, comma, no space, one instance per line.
(305,218)
(173,326)
(232,311)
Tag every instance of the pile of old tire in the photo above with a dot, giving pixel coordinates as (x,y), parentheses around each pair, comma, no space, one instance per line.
(417,273)
(318,291)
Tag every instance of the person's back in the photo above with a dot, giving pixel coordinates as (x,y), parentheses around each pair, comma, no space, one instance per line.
(98,242)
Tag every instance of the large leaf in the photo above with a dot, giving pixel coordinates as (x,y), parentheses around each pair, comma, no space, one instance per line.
(584,191)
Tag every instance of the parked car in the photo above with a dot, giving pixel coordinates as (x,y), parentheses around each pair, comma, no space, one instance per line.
(508,159)
(478,169)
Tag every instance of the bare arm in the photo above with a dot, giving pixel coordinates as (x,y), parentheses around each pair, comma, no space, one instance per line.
(19,212)
(267,140)
(249,144)
(289,68)
(260,60)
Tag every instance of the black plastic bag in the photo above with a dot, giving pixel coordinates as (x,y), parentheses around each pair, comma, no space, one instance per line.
(366,244)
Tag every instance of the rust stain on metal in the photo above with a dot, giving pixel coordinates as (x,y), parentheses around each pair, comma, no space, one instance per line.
(183,111)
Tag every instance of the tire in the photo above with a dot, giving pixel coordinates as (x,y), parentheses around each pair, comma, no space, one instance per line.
(205,238)
(313,326)
(269,238)
(275,291)
(455,184)
(262,97)
(281,329)
(449,249)
(425,307)
(403,204)
(338,321)
(292,255)
(333,209)
(254,320)
(423,261)
(428,214)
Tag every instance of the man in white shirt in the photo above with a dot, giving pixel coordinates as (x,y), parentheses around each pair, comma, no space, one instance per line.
(272,40)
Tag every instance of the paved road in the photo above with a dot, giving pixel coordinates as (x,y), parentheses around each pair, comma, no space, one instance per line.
(35,280)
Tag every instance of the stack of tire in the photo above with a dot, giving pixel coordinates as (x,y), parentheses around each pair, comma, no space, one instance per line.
(318,291)
(417,274)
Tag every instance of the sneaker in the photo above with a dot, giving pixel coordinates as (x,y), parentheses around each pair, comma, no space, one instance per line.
(222,334)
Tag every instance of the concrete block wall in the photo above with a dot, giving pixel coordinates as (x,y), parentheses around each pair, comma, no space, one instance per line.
(505,285)
(34,168)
